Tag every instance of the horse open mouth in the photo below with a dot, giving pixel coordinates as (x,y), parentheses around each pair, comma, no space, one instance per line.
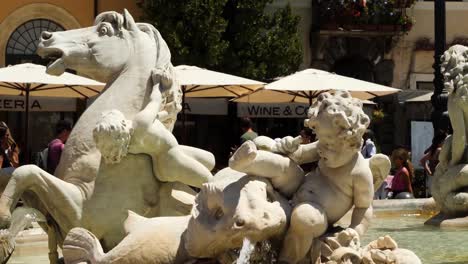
(57,65)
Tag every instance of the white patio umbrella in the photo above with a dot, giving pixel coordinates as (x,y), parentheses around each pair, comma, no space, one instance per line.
(31,79)
(306,85)
(198,82)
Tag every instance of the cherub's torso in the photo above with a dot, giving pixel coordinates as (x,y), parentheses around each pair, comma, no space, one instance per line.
(333,188)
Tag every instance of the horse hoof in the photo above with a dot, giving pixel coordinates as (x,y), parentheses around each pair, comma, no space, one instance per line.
(5,220)
(7,246)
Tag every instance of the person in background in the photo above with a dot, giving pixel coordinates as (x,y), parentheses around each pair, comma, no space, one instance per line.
(368,147)
(307,135)
(431,158)
(403,177)
(55,147)
(9,156)
(248,132)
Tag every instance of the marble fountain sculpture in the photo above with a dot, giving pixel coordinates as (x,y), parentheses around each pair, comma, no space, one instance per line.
(121,193)
(450,181)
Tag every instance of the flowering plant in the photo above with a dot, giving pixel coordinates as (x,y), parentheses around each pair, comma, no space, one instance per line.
(378,114)
(365,12)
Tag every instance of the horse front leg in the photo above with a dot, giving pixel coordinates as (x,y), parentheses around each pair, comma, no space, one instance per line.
(61,200)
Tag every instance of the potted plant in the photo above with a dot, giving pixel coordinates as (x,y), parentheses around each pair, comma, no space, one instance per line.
(377,116)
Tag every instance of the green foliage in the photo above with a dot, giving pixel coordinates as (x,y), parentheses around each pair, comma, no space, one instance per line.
(192,29)
(233,36)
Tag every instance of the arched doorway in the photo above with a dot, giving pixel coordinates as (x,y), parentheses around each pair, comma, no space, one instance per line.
(22,43)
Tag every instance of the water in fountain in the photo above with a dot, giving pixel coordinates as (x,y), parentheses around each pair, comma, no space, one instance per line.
(22,217)
(245,252)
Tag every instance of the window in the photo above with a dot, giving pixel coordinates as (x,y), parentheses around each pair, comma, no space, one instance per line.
(22,44)
(421,81)
(425,86)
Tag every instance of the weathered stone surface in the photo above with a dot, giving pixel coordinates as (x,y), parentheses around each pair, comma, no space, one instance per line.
(228,209)
(87,190)
(450,181)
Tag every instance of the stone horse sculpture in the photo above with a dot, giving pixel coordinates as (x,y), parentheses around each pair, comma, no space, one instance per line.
(450,181)
(227,210)
(86,192)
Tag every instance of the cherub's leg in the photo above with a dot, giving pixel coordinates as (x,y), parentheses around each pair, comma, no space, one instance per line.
(176,165)
(243,157)
(308,221)
(204,157)
(285,174)
(62,200)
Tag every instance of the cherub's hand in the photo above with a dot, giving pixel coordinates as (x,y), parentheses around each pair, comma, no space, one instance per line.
(173,107)
(162,76)
(288,145)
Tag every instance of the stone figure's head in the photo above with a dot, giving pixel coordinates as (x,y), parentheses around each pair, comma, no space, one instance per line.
(112,136)
(454,68)
(339,123)
(227,211)
(115,43)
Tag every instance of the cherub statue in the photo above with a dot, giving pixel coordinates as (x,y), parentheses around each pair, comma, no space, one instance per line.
(455,70)
(148,133)
(450,180)
(343,179)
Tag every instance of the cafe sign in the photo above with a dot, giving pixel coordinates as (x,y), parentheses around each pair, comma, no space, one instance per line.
(283,110)
(37,104)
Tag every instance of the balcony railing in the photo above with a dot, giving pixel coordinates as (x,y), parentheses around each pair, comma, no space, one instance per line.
(370,15)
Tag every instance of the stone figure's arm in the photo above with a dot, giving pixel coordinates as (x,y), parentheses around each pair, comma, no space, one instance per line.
(168,111)
(363,192)
(146,117)
(306,153)
(459,130)
(161,78)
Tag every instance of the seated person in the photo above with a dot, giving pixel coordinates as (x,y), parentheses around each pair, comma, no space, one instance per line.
(401,182)
(115,136)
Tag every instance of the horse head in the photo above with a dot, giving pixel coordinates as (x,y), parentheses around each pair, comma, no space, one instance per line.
(113,45)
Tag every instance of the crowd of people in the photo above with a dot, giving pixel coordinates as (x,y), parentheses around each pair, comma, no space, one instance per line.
(398,185)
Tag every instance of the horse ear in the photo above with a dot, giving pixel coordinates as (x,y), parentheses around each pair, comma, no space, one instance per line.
(129,22)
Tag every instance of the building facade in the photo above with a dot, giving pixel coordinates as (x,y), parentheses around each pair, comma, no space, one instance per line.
(398,52)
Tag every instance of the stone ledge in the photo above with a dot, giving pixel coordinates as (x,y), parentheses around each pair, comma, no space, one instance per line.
(425,205)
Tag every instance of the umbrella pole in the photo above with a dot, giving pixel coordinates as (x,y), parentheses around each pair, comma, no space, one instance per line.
(26,126)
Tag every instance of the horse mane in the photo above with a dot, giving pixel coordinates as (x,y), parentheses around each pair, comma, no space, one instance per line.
(163,54)
(112,17)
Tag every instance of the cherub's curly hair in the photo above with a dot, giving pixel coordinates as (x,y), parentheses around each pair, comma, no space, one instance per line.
(344,112)
(110,131)
(454,67)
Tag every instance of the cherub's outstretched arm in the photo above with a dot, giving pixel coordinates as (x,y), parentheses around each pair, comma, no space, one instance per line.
(290,147)
(306,153)
(149,114)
